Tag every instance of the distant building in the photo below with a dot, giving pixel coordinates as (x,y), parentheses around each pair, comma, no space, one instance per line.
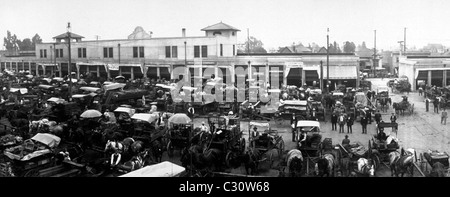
(431,70)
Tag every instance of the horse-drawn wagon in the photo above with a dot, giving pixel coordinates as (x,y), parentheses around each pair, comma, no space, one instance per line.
(30,158)
(265,145)
(179,133)
(226,138)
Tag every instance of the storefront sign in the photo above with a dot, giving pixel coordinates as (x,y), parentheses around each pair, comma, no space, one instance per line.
(113,66)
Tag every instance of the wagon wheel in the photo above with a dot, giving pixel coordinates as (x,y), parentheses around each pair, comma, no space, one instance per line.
(376,161)
(32,173)
(242,145)
(423,164)
(170,148)
(228,158)
(205,109)
(280,148)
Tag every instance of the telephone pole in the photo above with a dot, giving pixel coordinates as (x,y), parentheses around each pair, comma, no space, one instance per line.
(248,42)
(70,61)
(374,52)
(328,60)
(404,40)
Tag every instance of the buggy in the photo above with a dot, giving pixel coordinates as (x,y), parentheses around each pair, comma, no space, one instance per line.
(265,143)
(227,137)
(300,107)
(382,147)
(178,136)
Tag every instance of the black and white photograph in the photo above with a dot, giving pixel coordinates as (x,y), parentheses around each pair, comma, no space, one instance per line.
(224,88)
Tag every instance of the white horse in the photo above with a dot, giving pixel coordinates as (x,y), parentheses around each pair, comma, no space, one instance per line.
(364,168)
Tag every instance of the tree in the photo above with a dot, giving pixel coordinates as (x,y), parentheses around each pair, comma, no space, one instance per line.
(255,45)
(349,47)
(25,45)
(36,40)
(10,42)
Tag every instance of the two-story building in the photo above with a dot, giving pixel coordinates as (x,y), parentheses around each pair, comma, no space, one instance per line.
(431,70)
(193,56)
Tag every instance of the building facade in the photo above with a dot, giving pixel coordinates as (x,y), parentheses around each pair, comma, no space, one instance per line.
(431,70)
(200,57)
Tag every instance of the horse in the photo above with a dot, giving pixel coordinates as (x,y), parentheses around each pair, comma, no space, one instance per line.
(251,160)
(136,162)
(344,166)
(294,162)
(365,168)
(119,150)
(399,108)
(384,103)
(438,170)
(201,158)
(325,165)
(401,163)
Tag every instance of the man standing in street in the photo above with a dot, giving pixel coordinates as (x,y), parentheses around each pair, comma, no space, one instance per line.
(334,121)
(427,104)
(444,117)
(436,105)
(378,116)
(349,124)
(364,124)
(341,121)
(393,118)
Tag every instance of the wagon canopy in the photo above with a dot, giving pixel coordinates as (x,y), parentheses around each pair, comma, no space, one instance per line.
(125,110)
(21,90)
(89,89)
(56,100)
(114,86)
(163,169)
(47,139)
(145,117)
(46,86)
(308,123)
(260,125)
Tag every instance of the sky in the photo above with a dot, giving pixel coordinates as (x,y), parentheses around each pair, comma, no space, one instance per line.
(276,23)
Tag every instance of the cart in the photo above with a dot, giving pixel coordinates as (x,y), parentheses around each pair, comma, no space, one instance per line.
(266,142)
(432,157)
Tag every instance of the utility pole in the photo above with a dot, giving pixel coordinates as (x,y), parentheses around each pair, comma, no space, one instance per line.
(374,52)
(118,46)
(321,75)
(70,61)
(328,60)
(404,40)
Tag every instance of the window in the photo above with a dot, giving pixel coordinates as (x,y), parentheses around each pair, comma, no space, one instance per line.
(167,51)
(174,51)
(217,33)
(221,49)
(110,52)
(58,53)
(141,51)
(204,51)
(196,51)
(81,52)
(234,49)
(232,33)
(135,52)
(107,52)
(45,53)
(41,53)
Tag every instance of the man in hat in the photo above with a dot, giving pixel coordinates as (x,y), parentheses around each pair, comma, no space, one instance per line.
(427,104)
(369,115)
(346,141)
(364,124)
(444,117)
(349,124)
(334,119)
(378,116)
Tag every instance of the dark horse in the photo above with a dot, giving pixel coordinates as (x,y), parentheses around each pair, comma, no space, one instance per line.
(251,160)
(438,170)
(400,163)
(325,165)
(385,102)
(295,162)
(198,158)
(399,108)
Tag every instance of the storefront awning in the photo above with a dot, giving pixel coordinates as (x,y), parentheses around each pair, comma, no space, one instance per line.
(416,74)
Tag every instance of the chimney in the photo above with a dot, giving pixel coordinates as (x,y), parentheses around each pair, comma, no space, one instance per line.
(183,32)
